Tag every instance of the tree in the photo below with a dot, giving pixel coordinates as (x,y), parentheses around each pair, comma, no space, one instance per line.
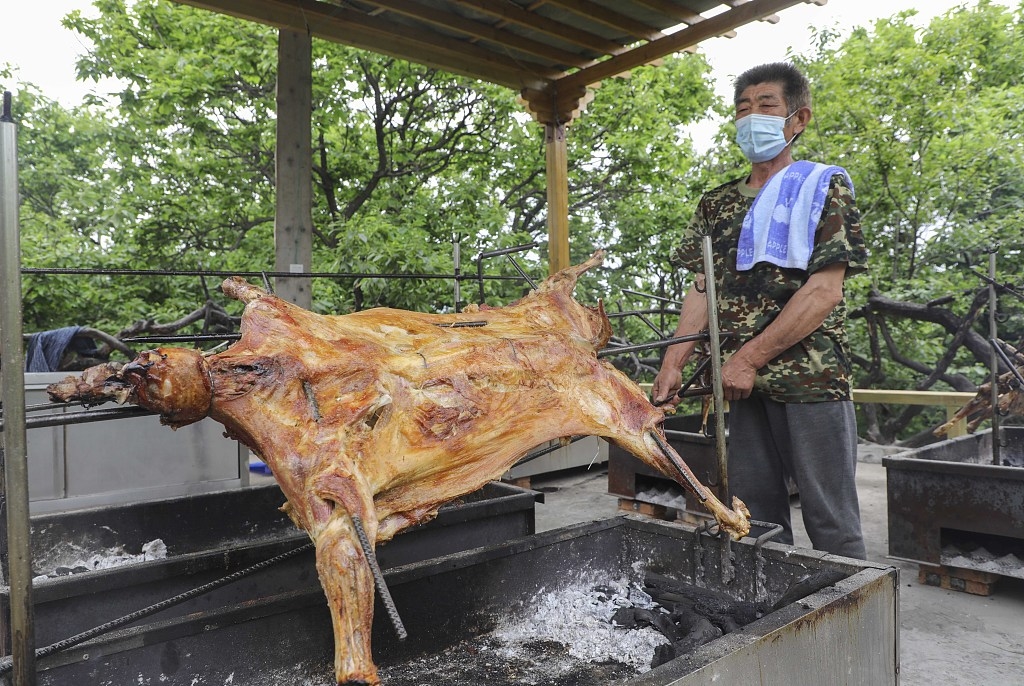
(406,159)
(925,120)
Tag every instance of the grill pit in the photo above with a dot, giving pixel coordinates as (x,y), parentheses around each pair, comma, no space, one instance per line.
(949,505)
(843,634)
(194,540)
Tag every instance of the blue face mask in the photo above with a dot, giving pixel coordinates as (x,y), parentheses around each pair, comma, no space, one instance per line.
(761,137)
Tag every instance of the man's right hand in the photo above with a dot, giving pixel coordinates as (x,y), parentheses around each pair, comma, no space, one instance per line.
(666,384)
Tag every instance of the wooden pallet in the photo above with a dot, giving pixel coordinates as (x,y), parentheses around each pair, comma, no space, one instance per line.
(647,509)
(663,512)
(957,579)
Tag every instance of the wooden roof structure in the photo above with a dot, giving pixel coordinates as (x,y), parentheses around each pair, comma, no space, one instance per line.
(550,51)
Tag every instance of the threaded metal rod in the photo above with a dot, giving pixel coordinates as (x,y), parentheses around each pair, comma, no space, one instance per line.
(378,579)
(6,664)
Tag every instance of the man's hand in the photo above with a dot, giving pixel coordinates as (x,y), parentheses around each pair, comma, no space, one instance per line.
(666,384)
(738,377)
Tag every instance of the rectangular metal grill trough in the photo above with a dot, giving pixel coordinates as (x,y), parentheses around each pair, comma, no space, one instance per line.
(211,535)
(845,634)
(949,496)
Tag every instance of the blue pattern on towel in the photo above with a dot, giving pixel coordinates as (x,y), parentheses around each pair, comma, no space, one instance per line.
(792,199)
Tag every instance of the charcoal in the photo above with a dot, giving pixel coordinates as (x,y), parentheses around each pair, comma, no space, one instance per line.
(698,632)
(625,617)
(658,619)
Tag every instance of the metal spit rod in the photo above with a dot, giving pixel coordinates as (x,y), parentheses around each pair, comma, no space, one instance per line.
(495,253)
(993,333)
(715,343)
(12,381)
(68,418)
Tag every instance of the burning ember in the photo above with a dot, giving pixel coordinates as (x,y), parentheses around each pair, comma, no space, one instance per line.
(592,631)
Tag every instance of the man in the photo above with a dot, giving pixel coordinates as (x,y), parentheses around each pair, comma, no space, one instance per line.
(780,263)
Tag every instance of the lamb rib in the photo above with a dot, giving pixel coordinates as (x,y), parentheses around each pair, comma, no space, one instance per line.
(387,415)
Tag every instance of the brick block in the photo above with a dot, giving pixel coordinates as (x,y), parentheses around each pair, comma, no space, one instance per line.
(647,509)
(957,579)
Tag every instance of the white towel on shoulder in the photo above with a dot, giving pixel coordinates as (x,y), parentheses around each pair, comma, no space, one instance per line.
(780,224)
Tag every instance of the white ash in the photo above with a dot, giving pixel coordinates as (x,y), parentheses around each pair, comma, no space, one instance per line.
(982,560)
(107,559)
(579,617)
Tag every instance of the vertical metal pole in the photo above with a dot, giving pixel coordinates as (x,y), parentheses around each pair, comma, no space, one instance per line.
(457,260)
(480,277)
(715,344)
(993,305)
(714,339)
(12,381)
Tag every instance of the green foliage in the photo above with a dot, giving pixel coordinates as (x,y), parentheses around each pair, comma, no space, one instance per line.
(926,121)
(176,169)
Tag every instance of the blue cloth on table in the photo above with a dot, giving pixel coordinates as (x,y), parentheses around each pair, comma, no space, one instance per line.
(780,224)
(47,347)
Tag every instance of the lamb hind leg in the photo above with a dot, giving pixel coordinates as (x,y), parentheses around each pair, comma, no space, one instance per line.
(348,584)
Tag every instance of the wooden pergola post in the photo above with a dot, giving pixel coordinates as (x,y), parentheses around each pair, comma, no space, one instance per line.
(556,110)
(293,220)
(558,196)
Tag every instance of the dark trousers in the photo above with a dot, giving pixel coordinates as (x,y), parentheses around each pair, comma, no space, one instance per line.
(816,445)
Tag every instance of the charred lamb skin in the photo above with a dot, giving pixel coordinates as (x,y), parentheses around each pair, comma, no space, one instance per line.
(387,415)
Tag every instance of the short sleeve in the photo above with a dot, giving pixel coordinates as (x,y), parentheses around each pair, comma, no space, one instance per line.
(688,254)
(838,237)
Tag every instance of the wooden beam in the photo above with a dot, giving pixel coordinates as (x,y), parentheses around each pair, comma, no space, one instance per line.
(511,13)
(341,25)
(685,38)
(951,400)
(293,220)
(481,31)
(771,19)
(614,20)
(677,11)
(558,197)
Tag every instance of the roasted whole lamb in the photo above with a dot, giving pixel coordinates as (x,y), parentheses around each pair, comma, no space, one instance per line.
(377,418)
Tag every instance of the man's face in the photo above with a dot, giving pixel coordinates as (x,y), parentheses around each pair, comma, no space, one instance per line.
(767,98)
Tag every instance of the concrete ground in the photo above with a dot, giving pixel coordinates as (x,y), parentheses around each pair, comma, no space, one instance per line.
(947,638)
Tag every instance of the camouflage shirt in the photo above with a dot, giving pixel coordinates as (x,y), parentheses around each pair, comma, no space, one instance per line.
(818,367)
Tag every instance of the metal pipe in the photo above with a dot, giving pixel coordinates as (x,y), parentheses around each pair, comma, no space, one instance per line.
(522,273)
(506,251)
(715,344)
(994,342)
(993,333)
(457,261)
(651,295)
(651,325)
(12,391)
(259,274)
(653,344)
(68,418)
(495,253)
(633,313)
